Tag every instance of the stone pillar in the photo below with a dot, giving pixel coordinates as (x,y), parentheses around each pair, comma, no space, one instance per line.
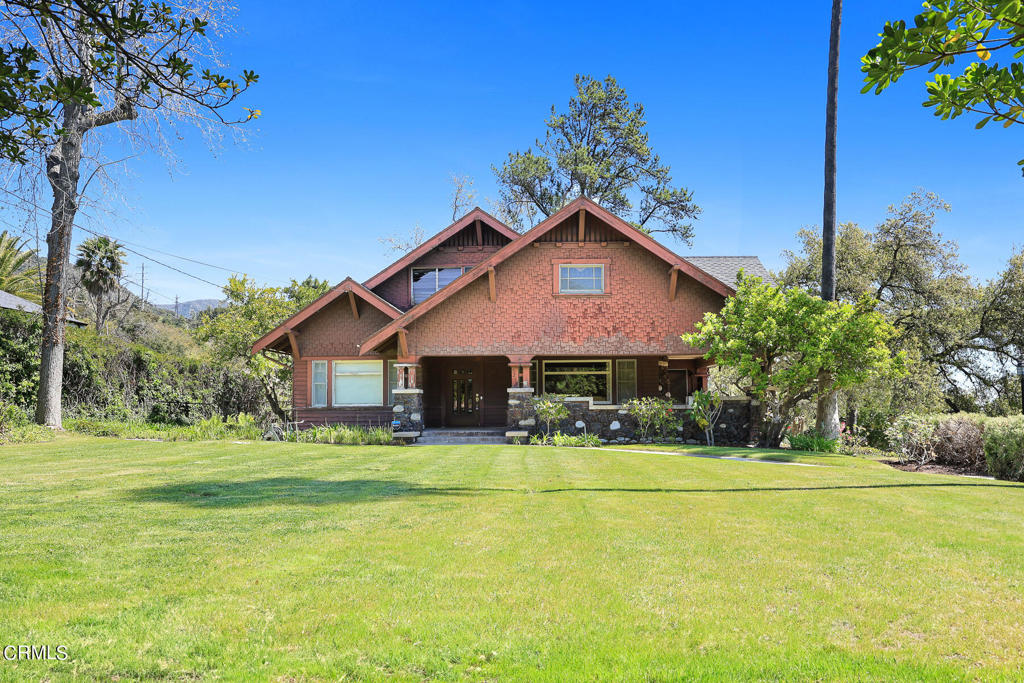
(520,415)
(408,408)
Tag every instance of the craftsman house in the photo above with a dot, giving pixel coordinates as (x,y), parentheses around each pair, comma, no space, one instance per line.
(464,329)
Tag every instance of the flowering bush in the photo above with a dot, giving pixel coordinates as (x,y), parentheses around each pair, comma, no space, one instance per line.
(550,408)
(653,415)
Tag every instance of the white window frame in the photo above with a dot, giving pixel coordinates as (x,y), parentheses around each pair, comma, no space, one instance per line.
(619,364)
(379,374)
(606,361)
(312,383)
(563,266)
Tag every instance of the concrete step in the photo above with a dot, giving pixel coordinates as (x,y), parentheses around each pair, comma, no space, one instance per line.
(462,441)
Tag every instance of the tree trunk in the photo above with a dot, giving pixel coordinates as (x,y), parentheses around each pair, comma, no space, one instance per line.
(62,171)
(828,410)
(99,313)
(828,403)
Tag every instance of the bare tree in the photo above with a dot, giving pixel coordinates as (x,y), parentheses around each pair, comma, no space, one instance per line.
(463,195)
(128,66)
(404,243)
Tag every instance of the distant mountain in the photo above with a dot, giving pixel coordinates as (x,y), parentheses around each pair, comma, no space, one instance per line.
(189,309)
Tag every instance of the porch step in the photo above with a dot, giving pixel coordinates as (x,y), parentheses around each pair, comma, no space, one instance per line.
(468,435)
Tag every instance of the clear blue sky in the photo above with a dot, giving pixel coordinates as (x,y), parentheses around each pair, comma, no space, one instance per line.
(368,107)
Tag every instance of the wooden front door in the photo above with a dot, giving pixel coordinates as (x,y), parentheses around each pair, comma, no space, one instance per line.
(464,394)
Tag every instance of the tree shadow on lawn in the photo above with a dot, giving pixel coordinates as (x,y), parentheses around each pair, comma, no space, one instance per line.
(285,490)
(299,491)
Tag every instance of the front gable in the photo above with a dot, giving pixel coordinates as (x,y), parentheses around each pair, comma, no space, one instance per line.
(509,304)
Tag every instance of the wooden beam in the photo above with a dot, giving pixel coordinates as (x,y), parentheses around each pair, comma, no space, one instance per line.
(583,224)
(352,302)
(294,343)
(403,343)
(672,281)
(479,233)
(490,283)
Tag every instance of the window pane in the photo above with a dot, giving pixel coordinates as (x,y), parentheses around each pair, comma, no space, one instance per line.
(625,379)
(585,278)
(319,382)
(578,378)
(358,382)
(392,382)
(424,283)
(445,276)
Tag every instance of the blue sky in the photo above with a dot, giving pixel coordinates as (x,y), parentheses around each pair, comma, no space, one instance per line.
(369,107)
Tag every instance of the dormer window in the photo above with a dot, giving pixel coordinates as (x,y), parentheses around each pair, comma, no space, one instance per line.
(426,281)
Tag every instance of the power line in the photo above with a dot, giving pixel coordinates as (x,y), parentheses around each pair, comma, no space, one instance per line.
(140,246)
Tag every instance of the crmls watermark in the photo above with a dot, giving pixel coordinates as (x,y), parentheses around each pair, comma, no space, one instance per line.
(24,653)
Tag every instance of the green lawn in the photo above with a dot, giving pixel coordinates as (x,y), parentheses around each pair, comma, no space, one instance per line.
(304,562)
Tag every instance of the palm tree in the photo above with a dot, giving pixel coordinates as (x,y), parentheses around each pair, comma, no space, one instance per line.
(16,275)
(828,401)
(101,261)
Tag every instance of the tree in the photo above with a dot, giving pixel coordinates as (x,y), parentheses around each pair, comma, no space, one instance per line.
(782,341)
(923,290)
(250,310)
(101,64)
(101,261)
(463,195)
(828,401)
(597,149)
(16,275)
(945,33)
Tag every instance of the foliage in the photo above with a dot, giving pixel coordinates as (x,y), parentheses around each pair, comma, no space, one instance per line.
(16,274)
(653,415)
(813,441)
(576,385)
(550,408)
(597,149)
(15,426)
(707,406)
(1004,448)
(214,428)
(954,331)
(251,311)
(945,33)
(101,264)
(354,435)
(781,342)
(911,438)
(575,440)
(144,52)
(19,357)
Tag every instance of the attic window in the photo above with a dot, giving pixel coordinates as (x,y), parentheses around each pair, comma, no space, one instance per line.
(426,281)
(576,278)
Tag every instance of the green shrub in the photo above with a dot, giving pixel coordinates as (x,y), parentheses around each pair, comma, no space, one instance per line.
(237,428)
(1004,448)
(813,441)
(352,435)
(550,408)
(566,440)
(653,415)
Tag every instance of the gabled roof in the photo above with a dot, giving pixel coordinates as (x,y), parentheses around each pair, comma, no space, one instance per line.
(524,240)
(726,268)
(476,214)
(345,286)
(16,303)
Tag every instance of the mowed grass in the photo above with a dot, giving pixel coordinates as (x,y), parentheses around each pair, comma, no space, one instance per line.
(305,562)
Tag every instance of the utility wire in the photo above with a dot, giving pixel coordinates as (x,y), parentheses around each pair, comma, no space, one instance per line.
(140,246)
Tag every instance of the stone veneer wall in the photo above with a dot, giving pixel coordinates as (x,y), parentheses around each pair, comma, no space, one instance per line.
(408,409)
(613,424)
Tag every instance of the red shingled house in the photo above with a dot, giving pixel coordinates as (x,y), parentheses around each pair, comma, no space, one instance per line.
(464,328)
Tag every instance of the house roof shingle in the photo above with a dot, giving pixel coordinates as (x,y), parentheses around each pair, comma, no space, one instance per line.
(726,268)
(16,303)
